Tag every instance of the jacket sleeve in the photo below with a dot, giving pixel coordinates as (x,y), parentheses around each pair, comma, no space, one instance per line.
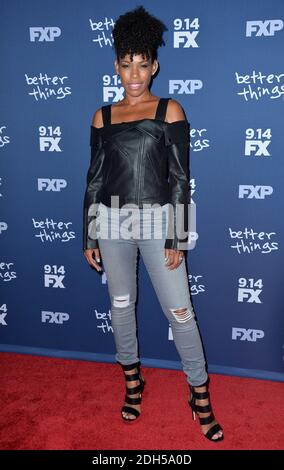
(93,189)
(177,144)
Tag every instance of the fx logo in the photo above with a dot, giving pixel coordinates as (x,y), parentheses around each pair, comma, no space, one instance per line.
(187,38)
(53,280)
(257,147)
(113,93)
(247,334)
(54,317)
(50,143)
(187,87)
(48,33)
(3,313)
(263,28)
(51,184)
(254,192)
(251,295)
(2,319)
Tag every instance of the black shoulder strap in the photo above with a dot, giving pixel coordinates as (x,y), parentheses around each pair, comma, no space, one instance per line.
(162,109)
(106,114)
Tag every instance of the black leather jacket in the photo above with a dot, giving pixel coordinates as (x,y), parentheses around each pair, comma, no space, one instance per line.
(143,161)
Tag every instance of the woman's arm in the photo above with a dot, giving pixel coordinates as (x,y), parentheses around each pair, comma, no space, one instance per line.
(94,182)
(177,143)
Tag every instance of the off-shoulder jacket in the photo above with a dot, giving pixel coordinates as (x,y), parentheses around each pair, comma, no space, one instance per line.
(142,161)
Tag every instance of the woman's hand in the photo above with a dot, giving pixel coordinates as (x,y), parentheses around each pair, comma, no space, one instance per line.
(173,258)
(89,256)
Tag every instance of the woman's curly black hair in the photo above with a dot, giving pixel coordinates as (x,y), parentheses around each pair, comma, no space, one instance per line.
(138,32)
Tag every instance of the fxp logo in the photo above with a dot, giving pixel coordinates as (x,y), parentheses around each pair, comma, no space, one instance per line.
(244,334)
(263,28)
(54,317)
(185,87)
(47,34)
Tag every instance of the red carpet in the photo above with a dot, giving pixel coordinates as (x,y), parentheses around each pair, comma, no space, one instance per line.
(50,403)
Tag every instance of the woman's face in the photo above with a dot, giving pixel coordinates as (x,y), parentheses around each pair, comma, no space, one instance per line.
(136,74)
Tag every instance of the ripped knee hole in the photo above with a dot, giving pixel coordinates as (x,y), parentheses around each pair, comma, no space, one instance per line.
(121,301)
(181,314)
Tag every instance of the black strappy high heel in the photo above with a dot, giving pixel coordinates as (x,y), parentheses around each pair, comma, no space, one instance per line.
(132,391)
(204,409)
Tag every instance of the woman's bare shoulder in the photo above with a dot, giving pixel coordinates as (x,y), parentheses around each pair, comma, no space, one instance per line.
(175,111)
(97,120)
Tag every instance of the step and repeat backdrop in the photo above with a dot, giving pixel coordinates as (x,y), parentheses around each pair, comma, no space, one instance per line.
(223,61)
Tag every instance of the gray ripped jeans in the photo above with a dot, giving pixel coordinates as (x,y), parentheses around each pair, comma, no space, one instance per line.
(118,247)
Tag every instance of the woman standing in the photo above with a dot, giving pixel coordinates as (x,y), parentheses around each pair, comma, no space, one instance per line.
(139,157)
